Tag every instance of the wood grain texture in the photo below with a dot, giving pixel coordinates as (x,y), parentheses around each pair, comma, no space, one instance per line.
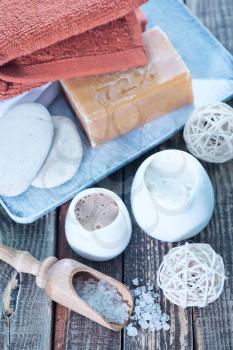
(27,323)
(73,331)
(217,15)
(61,318)
(213,325)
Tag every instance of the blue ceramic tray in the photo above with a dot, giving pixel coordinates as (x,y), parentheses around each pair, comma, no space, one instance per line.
(212,70)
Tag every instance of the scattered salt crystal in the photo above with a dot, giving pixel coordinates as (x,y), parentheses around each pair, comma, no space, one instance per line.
(135,281)
(137,309)
(165,318)
(143,324)
(131,330)
(155,326)
(142,303)
(147,316)
(166,327)
(147,312)
(147,298)
(137,291)
(104,298)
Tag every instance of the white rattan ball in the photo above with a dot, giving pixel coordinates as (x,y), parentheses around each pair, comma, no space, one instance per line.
(191,275)
(208,133)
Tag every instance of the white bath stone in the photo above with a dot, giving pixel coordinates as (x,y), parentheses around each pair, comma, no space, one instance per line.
(64,157)
(26,133)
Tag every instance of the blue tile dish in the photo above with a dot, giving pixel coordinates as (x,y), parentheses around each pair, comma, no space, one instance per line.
(211,66)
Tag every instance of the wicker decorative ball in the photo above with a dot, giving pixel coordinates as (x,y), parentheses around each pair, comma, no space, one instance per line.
(191,275)
(208,133)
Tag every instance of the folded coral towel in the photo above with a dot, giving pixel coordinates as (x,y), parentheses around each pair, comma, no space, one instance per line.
(42,41)
(141,19)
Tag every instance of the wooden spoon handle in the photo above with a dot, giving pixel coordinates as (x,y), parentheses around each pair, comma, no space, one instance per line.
(21,260)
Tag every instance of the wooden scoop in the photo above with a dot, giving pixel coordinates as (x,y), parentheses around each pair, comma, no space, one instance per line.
(56,277)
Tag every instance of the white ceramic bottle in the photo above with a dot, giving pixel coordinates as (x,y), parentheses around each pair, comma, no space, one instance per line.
(172,197)
(98,243)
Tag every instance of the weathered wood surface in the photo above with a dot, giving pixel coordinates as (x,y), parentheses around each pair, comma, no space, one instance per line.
(29,325)
(26,311)
(217,15)
(213,325)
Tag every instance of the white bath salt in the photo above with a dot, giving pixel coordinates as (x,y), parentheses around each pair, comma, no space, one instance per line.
(147,316)
(137,292)
(143,324)
(166,327)
(104,298)
(135,281)
(131,330)
(147,313)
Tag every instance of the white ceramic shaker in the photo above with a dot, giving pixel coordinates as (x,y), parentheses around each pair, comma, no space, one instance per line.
(172,196)
(98,229)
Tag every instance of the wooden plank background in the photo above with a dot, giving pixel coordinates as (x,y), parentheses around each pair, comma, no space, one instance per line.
(27,314)
(213,325)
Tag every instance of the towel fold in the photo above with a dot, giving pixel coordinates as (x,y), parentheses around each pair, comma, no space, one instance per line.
(42,41)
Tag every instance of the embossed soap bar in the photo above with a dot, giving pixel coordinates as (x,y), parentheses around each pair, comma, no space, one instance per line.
(113,104)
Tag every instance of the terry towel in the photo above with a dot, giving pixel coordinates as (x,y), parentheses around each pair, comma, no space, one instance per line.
(42,41)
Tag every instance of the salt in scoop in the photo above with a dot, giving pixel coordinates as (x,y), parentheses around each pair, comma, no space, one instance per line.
(56,277)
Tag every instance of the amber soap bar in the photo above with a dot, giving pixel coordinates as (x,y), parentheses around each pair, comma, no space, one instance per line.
(113,104)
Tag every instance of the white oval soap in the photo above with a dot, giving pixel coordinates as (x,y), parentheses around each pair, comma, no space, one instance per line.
(64,157)
(26,133)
